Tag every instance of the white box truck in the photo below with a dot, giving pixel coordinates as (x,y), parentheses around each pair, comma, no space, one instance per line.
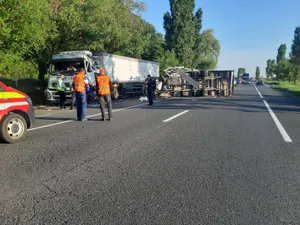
(127,74)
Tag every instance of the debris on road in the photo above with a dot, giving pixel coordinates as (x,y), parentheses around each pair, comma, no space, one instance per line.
(185,82)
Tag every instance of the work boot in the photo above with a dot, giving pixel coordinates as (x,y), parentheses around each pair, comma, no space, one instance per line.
(102,119)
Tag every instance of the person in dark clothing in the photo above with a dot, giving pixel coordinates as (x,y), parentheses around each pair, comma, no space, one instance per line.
(72,91)
(73,94)
(150,86)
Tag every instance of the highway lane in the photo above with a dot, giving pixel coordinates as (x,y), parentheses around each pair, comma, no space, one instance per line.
(222,162)
(287,109)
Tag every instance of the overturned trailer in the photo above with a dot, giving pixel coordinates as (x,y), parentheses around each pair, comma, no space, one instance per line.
(185,82)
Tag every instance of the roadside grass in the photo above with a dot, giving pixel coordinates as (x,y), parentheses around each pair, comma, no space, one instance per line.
(285,86)
(31,87)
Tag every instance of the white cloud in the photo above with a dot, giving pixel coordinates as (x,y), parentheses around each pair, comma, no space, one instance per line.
(247,59)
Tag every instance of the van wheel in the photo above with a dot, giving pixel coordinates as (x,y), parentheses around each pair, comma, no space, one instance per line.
(13,128)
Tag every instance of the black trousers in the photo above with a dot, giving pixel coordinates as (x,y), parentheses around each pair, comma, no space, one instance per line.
(150,97)
(72,99)
(62,99)
(105,99)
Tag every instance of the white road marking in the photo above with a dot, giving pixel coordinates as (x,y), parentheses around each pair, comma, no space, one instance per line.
(90,116)
(173,117)
(284,134)
(50,125)
(258,92)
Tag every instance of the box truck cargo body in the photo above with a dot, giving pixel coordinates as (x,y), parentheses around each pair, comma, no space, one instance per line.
(127,74)
(125,69)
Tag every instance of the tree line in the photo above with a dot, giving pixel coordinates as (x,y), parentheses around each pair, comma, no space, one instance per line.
(286,68)
(33,30)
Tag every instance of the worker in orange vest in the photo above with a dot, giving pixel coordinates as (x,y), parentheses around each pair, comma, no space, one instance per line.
(104,89)
(81,86)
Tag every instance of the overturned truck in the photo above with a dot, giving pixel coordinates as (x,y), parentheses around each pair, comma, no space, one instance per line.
(183,82)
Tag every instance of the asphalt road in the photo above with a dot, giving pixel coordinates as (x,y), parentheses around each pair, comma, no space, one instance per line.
(181,161)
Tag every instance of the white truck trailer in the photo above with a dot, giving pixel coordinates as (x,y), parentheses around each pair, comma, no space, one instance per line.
(127,74)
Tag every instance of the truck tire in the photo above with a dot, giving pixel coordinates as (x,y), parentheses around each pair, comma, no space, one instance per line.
(115,94)
(13,128)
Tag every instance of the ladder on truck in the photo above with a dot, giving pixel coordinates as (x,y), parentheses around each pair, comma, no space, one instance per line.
(190,80)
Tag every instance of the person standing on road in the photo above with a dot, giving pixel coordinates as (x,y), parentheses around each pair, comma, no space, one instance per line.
(61,88)
(150,85)
(104,90)
(81,86)
(72,91)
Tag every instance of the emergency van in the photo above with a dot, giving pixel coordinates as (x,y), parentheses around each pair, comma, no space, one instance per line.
(16,114)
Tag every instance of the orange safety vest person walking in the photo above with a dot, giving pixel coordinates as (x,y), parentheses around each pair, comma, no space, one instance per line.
(81,86)
(104,89)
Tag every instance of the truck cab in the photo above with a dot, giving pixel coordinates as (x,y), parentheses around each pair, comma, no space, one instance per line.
(246,78)
(16,114)
(64,63)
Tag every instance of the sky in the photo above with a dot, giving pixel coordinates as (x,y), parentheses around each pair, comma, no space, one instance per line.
(249,32)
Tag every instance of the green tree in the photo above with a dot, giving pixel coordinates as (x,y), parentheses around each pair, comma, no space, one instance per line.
(268,69)
(181,29)
(193,48)
(295,49)
(272,68)
(25,27)
(281,54)
(240,72)
(169,29)
(207,50)
(87,25)
(167,59)
(295,55)
(281,63)
(284,70)
(257,73)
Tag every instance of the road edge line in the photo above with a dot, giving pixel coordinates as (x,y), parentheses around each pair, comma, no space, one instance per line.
(281,129)
(260,95)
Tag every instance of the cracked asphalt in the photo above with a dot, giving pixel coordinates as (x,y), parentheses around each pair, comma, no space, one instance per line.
(222,162)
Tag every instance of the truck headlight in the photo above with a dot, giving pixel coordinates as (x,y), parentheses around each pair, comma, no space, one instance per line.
(29,101)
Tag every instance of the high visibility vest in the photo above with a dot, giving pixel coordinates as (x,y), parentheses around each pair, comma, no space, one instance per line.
(79,84)
(60,85)
(103,85)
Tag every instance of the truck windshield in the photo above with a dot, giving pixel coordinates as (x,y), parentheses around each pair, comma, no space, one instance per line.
(66,67)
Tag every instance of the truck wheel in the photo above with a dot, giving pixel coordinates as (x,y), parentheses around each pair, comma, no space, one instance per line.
(115,94)
(13,128)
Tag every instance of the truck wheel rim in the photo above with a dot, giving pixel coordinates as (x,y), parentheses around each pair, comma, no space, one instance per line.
(15,128)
